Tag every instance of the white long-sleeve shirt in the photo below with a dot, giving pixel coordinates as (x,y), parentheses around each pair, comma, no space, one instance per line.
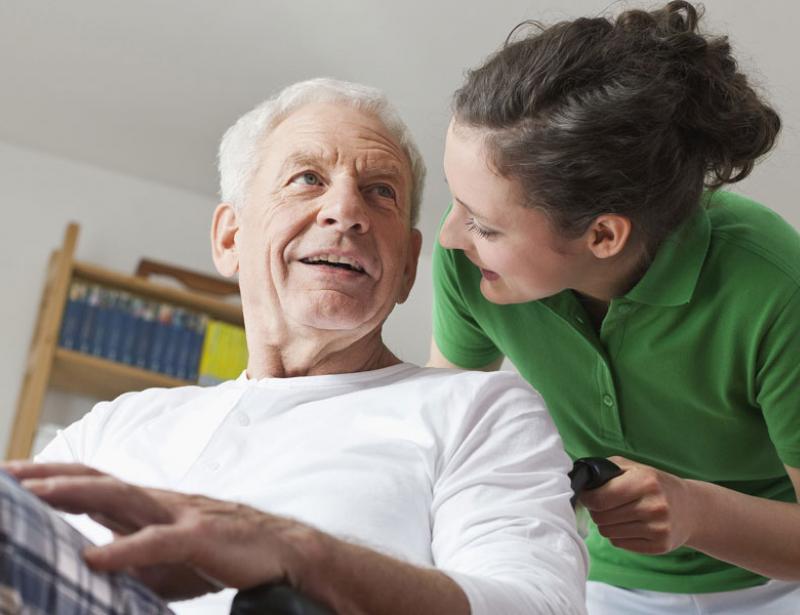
(463,471)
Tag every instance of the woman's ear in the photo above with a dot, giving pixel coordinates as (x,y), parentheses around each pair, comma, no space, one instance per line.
(224,251)
(608,235)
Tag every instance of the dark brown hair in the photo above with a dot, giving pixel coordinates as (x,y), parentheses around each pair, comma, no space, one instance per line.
(631,116)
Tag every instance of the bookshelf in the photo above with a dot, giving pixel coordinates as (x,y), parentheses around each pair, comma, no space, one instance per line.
(51,366)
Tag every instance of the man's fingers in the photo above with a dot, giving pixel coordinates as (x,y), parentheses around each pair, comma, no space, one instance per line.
(148,547)
(22,470)
(122,504)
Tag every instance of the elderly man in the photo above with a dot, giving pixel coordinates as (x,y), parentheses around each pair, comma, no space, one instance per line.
(385,487)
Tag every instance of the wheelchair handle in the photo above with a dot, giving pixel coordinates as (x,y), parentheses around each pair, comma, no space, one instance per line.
(590,473)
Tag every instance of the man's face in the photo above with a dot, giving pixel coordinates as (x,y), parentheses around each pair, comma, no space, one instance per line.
(324,238)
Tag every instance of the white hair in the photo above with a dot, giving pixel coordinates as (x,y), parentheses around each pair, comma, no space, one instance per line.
(239,149)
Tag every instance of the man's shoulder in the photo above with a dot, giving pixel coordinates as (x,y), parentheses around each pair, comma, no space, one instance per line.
(110,422)
(157,400)
(475,388)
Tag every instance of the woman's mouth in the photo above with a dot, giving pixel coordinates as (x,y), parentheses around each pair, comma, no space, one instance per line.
(489,275)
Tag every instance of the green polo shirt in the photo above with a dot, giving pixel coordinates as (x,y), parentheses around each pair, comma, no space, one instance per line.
(695,371)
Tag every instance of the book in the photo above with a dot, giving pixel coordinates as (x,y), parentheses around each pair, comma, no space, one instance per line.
(224,353)
(73,315)
(87,328)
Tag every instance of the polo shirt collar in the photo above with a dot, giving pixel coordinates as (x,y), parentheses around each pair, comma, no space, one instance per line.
(672,276)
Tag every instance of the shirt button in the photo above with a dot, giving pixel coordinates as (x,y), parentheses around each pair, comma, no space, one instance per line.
(242,419)
(213,466)
(608,400)
(579,318)
(624,309)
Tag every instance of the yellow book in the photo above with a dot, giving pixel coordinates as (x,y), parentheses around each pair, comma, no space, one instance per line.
(224,354)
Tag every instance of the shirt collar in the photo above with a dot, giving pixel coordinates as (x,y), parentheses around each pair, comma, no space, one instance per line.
(672,276)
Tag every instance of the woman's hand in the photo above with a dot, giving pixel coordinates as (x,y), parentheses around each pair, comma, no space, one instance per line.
(644,510)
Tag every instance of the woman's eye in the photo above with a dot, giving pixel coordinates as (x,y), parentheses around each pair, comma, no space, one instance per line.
(308,179)
(480,232)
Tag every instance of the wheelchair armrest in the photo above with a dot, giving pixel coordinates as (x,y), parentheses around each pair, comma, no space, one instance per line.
(275,599)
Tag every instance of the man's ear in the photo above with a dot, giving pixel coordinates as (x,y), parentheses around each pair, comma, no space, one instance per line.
(224,250)
(412,259)
(608,235)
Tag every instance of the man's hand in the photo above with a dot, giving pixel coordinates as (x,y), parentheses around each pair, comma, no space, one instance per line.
(180,545)
(643,510)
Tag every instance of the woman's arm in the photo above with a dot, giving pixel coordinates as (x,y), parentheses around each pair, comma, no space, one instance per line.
(649,511)
(437,359)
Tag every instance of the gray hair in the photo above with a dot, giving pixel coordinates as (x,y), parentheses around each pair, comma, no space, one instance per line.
(239,150)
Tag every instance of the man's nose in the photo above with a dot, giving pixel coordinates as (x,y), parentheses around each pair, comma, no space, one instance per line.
(344,208)
(453,234)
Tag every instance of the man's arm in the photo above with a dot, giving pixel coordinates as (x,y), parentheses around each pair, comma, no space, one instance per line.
(181,545)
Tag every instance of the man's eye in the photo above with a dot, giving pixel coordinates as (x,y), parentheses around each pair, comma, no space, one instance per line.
(384,191)
(307,179)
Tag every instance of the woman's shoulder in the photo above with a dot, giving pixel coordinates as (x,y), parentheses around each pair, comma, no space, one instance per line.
(756,234)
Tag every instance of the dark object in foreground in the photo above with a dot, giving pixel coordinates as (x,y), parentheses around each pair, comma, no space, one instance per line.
(276,599)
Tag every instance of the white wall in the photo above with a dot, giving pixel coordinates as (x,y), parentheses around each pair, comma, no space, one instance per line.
(121,218)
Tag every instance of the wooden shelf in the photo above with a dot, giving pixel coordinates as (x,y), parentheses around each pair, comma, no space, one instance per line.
(229,312)
(49,365)
(78,372)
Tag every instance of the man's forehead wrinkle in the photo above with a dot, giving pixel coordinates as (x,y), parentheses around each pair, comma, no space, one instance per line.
(371,160)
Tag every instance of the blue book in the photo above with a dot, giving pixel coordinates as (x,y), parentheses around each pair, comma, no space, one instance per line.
(158,343)
(135,320)
(73,315)
(184,344)
(118,322)
(89,317)
(196,347)
(145,335)
(172,343)
(102,317)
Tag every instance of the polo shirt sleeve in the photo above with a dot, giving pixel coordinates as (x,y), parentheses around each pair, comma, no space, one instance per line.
(502,525)
(778,381)
(457,334)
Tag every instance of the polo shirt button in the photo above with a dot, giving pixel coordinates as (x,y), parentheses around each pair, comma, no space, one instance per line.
(243,420)
(608,400)
(624,309)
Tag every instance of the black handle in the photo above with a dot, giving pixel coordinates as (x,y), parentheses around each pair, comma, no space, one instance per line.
(274,599)
(590,473)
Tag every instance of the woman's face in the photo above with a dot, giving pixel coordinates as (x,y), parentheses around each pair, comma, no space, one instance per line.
(520,254)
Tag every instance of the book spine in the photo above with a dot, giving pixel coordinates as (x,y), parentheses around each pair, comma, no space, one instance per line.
(136,318)
(172,340)
(102,318)
(118,322)
(158,343)
(197,343)
(73,315)
(145,334)
(89,318)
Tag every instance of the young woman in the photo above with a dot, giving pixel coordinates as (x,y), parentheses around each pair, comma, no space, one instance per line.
(658,316)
